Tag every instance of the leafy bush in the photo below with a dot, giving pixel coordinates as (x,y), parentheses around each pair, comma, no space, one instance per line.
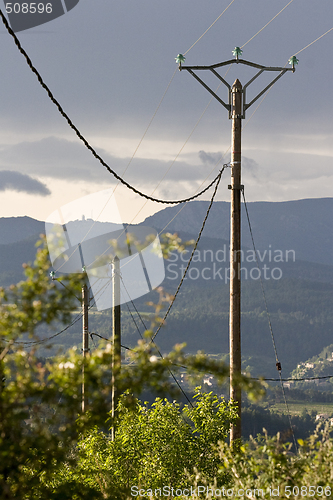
(154,446)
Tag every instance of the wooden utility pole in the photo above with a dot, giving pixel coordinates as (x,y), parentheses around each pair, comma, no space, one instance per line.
(236,107)
(116,337)
(235,257)
(85,341)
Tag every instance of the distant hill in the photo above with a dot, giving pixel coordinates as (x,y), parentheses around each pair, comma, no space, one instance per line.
(13,229)
(305,226)
(299,301)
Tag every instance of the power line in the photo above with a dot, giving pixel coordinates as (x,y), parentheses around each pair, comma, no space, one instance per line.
(188,50)
(81,137)
(269,22)
(148,126)
(35,342)
(261,282)
(314,41)
(293,379)
(278,364)
(172,163)
(167,202)
(192,254)
(157,349)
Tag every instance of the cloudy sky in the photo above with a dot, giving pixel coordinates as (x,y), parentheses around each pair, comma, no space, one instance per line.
(110,63)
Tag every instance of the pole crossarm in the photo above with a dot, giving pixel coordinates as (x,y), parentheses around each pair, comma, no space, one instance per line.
(212,68)
(227,106)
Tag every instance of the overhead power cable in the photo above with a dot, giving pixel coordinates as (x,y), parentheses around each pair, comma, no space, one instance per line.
(148,126)
(81,137)
(171,373)
(278,364)
(157,349)
(109,340)
(177,155)
(269,22)
(314,41)
(293,379)
(41,341)
(188,50)
(192,254)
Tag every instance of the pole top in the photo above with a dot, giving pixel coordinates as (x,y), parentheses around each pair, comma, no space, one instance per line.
(237,84)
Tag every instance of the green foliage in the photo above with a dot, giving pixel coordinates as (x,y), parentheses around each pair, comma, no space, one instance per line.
(155,446)
(50,449)
(40,403)
(267,463)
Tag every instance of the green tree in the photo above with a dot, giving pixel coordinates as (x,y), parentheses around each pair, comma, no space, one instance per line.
(266,464)
(155,446)
(40,410)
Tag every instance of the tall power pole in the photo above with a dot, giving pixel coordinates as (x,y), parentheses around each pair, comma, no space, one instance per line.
(85,340)
(235,256)
(116,337)
(236,107)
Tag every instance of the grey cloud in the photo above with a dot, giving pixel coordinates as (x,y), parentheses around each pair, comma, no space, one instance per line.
(48,157)
(108,80)
(210,158)
(250,166)
(15,181)
(63,159)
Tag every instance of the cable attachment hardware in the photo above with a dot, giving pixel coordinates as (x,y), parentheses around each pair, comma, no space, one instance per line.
(278,366)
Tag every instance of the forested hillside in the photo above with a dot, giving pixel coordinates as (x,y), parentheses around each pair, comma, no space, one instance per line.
(299,293)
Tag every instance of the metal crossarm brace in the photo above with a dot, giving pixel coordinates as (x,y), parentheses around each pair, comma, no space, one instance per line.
(212,69)
(227,106)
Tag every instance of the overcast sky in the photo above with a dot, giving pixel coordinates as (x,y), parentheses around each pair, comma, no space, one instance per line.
(109,64)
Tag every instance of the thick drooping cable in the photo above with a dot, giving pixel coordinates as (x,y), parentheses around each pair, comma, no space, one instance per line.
(155,346)
(182,201)
(269,22)
(41,341)
(183,206)
(81,137)
(264,97)
(145,132)
(109,340)
(192,254)
(278,364)
(172,163)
